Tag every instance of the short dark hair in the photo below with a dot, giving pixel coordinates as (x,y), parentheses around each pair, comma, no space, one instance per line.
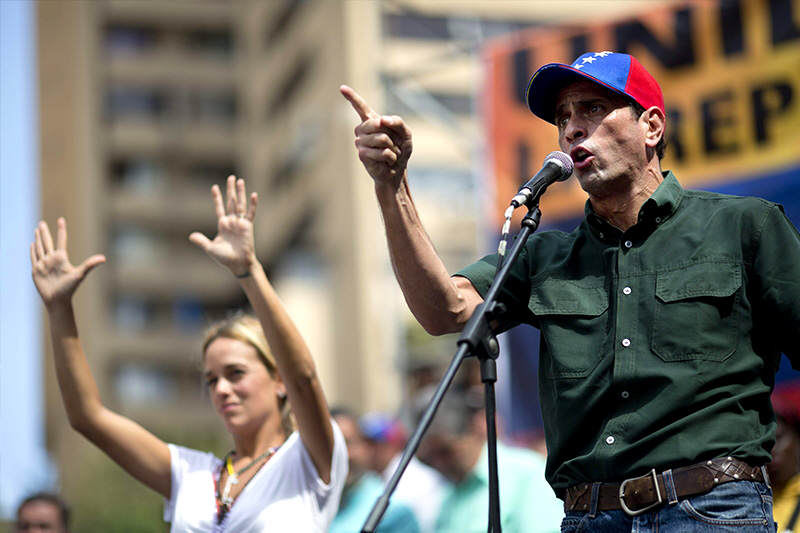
(661,147)
(53,499)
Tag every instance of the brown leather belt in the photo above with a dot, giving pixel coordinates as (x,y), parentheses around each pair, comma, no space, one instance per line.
(640,494)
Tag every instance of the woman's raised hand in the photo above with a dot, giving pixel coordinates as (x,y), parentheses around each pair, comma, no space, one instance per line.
(234,245)
(54,276)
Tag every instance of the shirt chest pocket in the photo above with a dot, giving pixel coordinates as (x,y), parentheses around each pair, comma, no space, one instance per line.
(697,312)
(573,320)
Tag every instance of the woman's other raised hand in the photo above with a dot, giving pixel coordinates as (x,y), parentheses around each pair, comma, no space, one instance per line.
(234,245)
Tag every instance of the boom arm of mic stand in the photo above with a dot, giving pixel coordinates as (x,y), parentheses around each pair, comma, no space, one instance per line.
(476,335)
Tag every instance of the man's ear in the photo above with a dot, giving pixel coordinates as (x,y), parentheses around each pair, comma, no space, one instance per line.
(654,123)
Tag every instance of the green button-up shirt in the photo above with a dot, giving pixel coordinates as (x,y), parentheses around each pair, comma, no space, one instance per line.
(659,344)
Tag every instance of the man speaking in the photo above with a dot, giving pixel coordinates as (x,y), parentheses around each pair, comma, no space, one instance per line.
(663,315)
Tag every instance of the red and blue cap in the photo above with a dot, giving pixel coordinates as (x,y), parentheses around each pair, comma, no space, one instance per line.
(382,428)
(621,73)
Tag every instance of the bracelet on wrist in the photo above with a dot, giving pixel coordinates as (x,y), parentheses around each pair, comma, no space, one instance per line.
(242,276)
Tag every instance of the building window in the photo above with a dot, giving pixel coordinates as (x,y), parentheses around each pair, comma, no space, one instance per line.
(135,101)
(188,315)
(218,106)
(134,245)
(143,385)
(139,174)
(444,184)
(414,26)
(410,25)
(457,104)
(211,43)
(133,315)
(126,39)
(204,174)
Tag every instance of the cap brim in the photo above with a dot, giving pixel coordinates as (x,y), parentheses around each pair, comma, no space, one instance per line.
(548,81)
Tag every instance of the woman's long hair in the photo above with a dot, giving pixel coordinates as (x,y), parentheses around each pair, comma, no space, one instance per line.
(247,329)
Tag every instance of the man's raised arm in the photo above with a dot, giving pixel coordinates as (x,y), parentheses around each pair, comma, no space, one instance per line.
(441,304)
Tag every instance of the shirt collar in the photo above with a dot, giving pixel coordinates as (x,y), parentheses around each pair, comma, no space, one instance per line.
(665,200)
(655,210)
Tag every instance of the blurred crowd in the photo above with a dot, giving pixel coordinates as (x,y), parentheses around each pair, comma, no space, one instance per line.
(784,470)
(446,486)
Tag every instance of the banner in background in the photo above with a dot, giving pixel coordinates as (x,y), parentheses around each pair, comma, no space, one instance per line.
(729,70)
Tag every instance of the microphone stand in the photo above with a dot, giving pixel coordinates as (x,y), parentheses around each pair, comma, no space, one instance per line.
(477,339)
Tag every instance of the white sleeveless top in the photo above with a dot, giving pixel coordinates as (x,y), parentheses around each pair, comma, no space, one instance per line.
(286,494)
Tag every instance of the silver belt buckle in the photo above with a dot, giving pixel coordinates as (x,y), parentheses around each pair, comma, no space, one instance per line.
(630,512)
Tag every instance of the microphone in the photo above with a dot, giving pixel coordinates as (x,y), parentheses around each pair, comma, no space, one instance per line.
(557,166)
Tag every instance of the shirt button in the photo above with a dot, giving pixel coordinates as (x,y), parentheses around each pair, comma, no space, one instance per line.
(602,235)
(628,244)
(658,220)
(626,290)
(625,394)
(610,439)
(626,342)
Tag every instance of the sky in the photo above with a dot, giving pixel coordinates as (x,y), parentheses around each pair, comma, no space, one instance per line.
(24,464)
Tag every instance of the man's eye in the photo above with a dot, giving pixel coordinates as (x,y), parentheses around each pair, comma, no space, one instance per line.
(211,382)
(595,108)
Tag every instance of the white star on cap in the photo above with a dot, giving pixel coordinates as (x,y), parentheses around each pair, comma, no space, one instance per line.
(604,53)
(589,59)
(578,66)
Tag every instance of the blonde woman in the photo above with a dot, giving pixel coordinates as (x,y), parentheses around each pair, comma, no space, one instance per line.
(275,478)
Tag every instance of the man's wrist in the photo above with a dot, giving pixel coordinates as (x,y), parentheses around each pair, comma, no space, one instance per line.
(389,191)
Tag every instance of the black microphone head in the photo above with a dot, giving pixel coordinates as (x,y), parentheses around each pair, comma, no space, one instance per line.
(562,160)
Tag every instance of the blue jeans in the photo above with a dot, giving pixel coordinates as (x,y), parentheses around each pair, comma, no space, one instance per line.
(740,506)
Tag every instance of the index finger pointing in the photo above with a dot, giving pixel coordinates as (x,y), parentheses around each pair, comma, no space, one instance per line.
(359,104)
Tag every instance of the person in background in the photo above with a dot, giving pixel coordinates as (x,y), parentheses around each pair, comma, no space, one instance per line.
(363,487)
(42,512)
(288,464)
(421,487)
(784,470)
(455,445)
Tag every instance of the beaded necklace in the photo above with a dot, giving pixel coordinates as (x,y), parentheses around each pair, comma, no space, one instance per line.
(224,501)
